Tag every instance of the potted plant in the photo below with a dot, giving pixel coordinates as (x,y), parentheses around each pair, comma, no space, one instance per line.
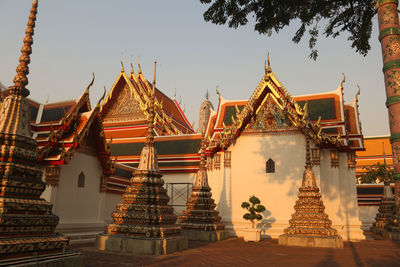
(254,213)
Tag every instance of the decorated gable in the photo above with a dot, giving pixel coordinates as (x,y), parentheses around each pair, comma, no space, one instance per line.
(269,116)
(123,106)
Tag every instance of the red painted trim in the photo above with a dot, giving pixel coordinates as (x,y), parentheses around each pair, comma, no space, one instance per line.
(183,115)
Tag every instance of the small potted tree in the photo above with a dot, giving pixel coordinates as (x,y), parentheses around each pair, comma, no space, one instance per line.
(254,213)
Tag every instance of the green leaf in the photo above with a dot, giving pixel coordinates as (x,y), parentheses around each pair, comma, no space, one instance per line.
(254,200)
(245,205)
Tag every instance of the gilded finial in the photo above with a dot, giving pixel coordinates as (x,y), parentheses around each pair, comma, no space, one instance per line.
(207,96)
(154,78)
(151,116)
(267,68)
(47,99)
(122,65)
(218,93)
(140,68)
(358,93)
(102,97)
(21,79)
(343,81)
(132,72)
(174,94)
(90,84)
(180,100)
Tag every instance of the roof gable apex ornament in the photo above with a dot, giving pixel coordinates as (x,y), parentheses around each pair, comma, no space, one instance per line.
(357,94)
(343,81)
(218,93)
(122,65)
(267,68)
(90,84)
(101,98)
(132,71)
(140,68)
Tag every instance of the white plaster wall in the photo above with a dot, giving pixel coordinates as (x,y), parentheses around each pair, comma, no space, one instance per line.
(277,191)
(112,200)
(80,204)
(367,216)
(350,227)
(330,188)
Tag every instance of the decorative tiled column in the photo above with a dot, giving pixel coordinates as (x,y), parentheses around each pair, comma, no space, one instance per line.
(389,36)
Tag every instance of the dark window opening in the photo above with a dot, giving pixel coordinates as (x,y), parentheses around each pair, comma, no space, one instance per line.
(270,166)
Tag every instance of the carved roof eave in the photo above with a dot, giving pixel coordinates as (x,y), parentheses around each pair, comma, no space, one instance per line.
(66,120)
(163,120)
(289,106)
(104,149)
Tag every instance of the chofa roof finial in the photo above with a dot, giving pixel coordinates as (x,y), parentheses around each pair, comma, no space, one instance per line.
(218,93)
(90,84)
(343,81)
(267,68)
(132,71)
(140,68)
(21,79)
(358,93)
(122,65)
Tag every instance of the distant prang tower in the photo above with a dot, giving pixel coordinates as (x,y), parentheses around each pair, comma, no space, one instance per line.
(204,114)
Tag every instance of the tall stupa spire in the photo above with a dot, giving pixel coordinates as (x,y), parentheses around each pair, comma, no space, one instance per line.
(144,218)
(27,225)
(310,225)
(21,79)
(200,220)
(388,202)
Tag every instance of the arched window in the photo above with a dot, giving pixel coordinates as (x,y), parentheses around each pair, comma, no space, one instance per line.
(270,166)
(81,180)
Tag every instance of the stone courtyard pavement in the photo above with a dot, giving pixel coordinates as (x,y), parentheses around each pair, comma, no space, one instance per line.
(236,252)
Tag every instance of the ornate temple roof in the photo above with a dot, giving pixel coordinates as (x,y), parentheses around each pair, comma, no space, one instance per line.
(334,123)
(63,127)
(377,150)
(124,113)
(125,109)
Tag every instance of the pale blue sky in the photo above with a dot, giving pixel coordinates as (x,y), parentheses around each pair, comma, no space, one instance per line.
(77,37)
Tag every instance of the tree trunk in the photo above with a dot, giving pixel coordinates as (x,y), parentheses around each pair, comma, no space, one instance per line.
(389,36)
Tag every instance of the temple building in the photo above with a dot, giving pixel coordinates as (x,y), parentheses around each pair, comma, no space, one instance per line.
(124,113)
(75,160)
(255,146)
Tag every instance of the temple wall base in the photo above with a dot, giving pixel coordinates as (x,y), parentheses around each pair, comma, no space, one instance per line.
(351,232)
(311,241)
(391,235)
(65,259)
(211,236)
(141,246)
(79,233)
